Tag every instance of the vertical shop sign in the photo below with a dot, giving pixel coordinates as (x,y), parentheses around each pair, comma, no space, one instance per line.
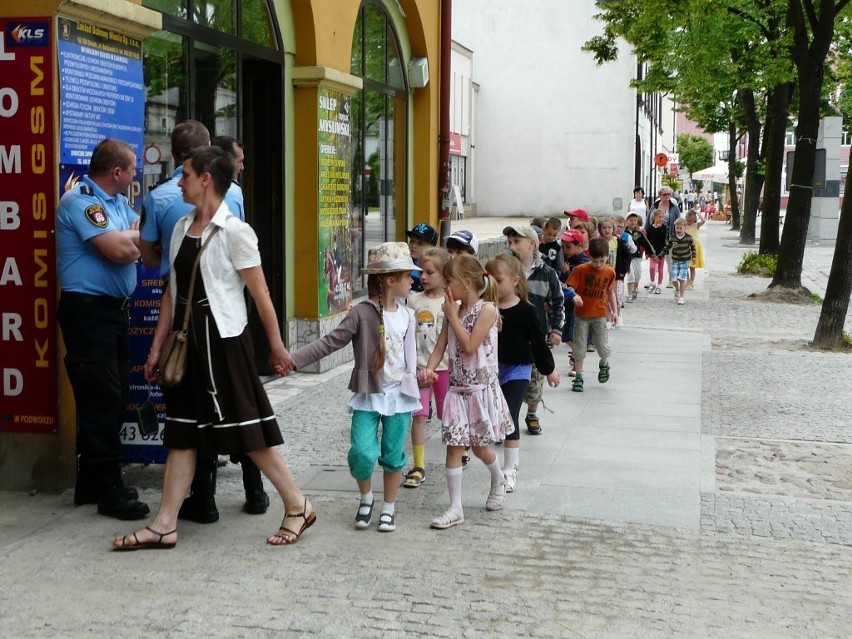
(28,363)
(334,138)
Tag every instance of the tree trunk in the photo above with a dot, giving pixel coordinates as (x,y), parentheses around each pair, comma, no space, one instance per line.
(832,317)
(811,41)
(776,127)
(753,179)
(732,175)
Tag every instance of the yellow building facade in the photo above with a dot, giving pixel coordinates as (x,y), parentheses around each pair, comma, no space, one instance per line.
(335,101)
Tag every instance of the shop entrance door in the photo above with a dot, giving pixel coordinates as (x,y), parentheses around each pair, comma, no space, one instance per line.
(263,183)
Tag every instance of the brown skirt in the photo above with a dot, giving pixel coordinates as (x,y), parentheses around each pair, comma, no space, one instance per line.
(221,405)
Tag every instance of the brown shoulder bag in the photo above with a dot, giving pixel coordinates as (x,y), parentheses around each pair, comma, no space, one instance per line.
(174,349)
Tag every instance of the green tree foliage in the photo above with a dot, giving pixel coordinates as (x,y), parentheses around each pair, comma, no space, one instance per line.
(695,152)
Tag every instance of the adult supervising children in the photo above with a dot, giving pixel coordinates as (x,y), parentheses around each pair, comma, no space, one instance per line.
(162,208)
(220,406)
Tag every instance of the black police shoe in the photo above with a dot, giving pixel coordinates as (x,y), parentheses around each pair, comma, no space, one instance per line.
(201,510)
(115,503)
(86,492)
(257,501)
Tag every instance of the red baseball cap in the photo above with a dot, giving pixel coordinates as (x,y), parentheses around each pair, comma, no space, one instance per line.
(578,213)
(573,235)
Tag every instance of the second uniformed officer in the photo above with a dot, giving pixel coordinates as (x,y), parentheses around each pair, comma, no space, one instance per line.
(97,245)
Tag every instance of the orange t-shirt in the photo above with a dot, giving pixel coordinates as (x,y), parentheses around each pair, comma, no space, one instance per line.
(593,285)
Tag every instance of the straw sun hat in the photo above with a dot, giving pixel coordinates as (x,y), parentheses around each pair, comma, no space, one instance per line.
(390,257)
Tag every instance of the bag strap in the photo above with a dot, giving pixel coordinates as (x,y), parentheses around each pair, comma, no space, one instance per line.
(188,310)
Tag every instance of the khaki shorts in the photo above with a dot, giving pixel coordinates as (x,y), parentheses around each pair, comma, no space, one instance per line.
(533,394)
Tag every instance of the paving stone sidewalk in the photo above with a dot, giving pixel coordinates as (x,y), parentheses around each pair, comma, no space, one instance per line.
(770,559)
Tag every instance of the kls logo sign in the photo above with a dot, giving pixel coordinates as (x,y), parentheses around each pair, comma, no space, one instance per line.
(27,34)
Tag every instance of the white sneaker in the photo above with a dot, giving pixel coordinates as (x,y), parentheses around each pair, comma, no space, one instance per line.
(680,301)
(511,478)
(620,322)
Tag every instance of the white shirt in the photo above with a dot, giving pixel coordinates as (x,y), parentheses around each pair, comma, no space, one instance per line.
(232,249)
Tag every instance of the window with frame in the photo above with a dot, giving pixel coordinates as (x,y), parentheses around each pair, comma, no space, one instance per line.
(379,137)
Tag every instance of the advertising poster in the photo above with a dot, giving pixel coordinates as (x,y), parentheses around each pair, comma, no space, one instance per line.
(102,95)
(28,366)
(335,172)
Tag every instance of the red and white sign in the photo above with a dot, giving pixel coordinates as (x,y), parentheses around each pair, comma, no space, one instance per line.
(152,154)
(455,144)
(28,366)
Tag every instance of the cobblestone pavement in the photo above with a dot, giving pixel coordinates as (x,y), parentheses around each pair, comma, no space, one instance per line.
(772,557)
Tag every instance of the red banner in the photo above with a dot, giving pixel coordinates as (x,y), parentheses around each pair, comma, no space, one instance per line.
(28,360)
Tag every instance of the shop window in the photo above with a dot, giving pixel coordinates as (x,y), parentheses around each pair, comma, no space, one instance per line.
(379,118)
(257,23)
(175,8)
(192,68)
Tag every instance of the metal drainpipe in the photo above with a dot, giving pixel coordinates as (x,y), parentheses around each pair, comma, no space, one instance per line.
(444,135)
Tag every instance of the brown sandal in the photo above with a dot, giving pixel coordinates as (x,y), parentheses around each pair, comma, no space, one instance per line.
(147,545)
(289,536)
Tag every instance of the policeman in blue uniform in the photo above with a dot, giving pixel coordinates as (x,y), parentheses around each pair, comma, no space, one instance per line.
(162,208)
(97,241)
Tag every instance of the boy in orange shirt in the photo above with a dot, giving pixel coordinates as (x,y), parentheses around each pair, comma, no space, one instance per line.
(593,288)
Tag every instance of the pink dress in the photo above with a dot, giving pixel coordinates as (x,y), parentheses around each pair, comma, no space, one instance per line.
(475,411)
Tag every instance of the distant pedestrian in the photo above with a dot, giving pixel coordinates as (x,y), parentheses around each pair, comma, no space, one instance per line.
(656,235)
(427,306)
(383,336)
(593,288)
(475,412)
(638,205)
(619,259)
(521,343)
(694,221)
(640,241)
(682,249)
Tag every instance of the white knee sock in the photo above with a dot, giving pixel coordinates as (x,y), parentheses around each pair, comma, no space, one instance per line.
(510,457)
(454,487)
(496,472)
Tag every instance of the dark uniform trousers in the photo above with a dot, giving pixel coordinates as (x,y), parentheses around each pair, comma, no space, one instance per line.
(95,330)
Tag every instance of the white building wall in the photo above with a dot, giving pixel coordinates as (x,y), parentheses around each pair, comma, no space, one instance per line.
(554,131)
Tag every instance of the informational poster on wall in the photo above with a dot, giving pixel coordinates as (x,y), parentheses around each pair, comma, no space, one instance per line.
(335,174)
(28,365)
(102,95)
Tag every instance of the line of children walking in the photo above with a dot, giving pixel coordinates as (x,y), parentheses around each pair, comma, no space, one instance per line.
(476,339)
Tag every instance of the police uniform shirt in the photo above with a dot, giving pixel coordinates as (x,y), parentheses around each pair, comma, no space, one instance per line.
(164,206)
(84,212)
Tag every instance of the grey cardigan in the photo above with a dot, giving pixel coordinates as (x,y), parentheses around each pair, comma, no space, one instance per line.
(361,327)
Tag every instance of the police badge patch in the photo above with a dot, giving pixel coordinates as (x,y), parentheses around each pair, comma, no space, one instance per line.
(96,215)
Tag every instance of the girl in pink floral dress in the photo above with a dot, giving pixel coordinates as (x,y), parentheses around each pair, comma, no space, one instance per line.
(475,412)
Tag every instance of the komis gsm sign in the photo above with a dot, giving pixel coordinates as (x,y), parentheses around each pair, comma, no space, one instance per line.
(27,34)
